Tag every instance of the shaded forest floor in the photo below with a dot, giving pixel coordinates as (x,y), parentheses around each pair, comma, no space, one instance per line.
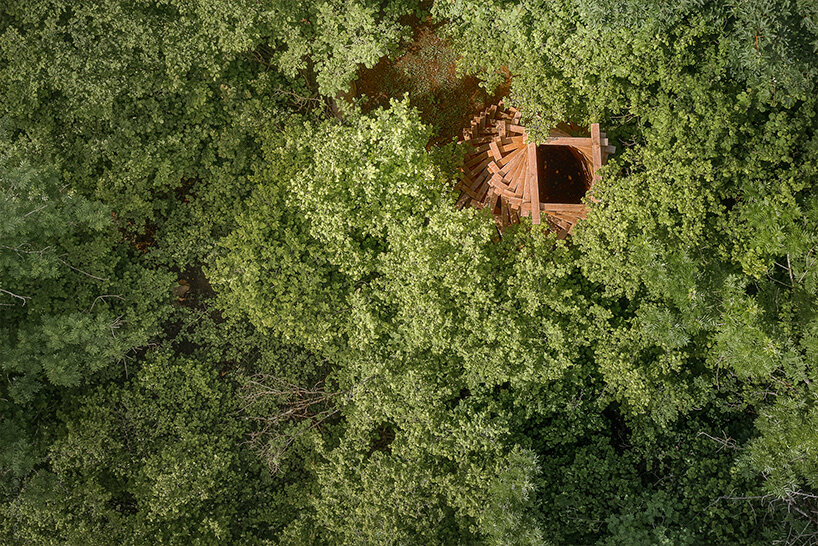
(425,68)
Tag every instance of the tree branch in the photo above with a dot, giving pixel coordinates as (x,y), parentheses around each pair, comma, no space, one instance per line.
(81,271)
(19,297)
(35,210)
(102,297)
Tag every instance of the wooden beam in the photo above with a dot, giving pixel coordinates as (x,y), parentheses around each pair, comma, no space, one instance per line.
(497,182)
(573,141)
(596,151)
(492,200)
(567,216)
(483,175)
(495,150)
(514,175)
(511,144)
(510,147)
(481,139)
(511,165)
(477,159)
(533,184)
(567,141)
(562,207)
(478,150)
(476,171)
(464,187)
(507,159)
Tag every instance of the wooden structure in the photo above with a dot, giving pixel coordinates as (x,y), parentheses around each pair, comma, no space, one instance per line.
(512,178)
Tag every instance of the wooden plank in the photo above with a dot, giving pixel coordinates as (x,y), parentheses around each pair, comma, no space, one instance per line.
(568,218)
(476,171)
(461,201)
(516,157)
(573,141)
(497,182)
(476,160)
(523,177)
(596,151)
(495,150)
(466,189)
(481,139)
(567,141)
(492,201)
(573,216)
(516,182)
(484,175)
(508,139)
(511,144)
(506,193)
(507,159)
(562,207)
(533,184)
(559,222)
(508,167)
(505,220)
(479,149)
(519,129)
(516,176)
(482,189)
(510,147)
(475,185)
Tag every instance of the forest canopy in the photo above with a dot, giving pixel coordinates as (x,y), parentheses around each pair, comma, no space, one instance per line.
(238,304)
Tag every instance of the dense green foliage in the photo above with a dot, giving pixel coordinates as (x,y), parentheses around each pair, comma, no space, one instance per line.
(233,312)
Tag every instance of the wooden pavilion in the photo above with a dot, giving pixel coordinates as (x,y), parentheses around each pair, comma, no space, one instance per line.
(515,179)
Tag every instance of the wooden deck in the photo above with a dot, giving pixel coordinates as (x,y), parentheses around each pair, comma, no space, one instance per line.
(501,170)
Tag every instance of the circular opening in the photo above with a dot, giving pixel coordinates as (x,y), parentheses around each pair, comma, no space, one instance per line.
(563,174)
